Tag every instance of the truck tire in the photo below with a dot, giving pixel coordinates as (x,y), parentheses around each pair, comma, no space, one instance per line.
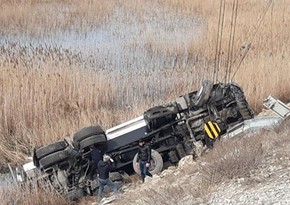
(203,94)
(156,163)
(244,110)
(87,132)
(49,149)
(242,104)
(95,139)
(53,159)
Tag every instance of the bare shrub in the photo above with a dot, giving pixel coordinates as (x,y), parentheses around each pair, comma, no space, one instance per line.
(283,127)
(279,138)
(237,157)
(232,158)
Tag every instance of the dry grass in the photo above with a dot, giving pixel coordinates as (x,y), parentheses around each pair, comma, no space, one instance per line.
(31,194)
(167,47)
(237,158)
(34,17)
(48,92)
(43,105)
(269,53)
(230,159)
(261,71)
(49,97)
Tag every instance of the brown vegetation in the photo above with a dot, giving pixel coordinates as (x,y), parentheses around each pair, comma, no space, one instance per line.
(48,93)
(31,194)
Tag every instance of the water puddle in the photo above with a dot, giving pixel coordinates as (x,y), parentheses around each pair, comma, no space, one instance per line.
(125,41)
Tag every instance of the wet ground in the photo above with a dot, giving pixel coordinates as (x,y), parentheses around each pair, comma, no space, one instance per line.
(124,42)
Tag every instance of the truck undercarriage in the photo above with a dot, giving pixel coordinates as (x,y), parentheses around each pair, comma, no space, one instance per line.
(173,130)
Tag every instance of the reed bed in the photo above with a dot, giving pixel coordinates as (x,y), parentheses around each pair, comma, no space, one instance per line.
(44,105)
(150,57)
(146,53)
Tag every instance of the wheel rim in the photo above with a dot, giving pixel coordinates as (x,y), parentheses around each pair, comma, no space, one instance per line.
(152,165)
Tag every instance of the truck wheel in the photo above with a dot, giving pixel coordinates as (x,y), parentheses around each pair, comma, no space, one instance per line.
(242,104)
(245,111)
(203,94)
(87,132)
(49,149)
(95,139)
(53,159)
(156,163)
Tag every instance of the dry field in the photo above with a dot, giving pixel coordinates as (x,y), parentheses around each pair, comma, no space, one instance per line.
(68,64)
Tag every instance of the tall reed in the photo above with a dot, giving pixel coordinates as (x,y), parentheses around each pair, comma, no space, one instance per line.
(50,92)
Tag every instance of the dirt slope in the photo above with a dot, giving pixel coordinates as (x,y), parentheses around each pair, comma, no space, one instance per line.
(250,170)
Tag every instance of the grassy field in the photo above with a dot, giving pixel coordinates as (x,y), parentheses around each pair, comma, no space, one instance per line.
(154,51)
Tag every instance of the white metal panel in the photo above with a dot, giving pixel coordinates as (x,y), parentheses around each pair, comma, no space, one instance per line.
(126,127)
(28,166)
(254,124)
(277,106)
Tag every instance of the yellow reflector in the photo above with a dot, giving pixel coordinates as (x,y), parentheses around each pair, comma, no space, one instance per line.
(213,129)
(218,127)
(208,131)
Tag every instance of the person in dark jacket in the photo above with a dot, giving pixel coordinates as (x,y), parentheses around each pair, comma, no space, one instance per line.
(104,168)
(143,159)
(95,156)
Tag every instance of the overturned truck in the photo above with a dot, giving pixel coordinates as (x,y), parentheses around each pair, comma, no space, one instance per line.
(173,130)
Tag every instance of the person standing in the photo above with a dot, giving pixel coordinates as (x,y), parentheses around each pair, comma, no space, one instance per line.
(143,159)
(104,167)
(95,156)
